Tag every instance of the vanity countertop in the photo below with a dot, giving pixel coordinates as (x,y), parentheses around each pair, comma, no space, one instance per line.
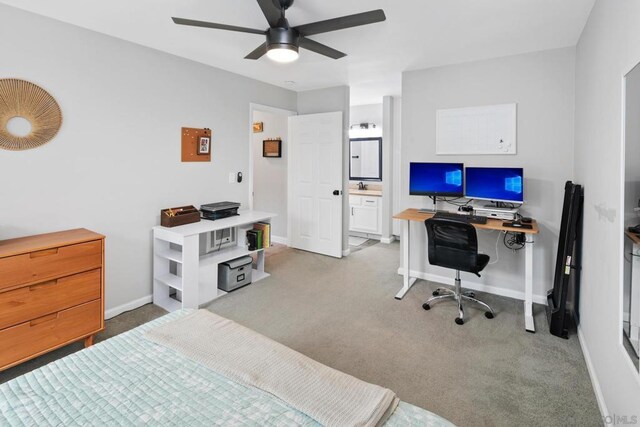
(356,192)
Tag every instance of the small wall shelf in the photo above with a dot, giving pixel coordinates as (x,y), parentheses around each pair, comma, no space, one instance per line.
(272,148)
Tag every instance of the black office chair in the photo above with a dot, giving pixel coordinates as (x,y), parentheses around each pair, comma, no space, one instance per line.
(454,244)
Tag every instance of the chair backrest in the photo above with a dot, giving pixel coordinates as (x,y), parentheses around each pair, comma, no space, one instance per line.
(452,244)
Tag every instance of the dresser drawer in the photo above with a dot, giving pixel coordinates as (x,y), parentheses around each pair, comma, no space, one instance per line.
(31,302)
(38,336)
(39,266)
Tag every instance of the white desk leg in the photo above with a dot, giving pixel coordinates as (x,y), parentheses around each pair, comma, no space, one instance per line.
(528,285)
(191,271)
(407,280)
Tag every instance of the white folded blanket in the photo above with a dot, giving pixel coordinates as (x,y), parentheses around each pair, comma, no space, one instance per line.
(330,397)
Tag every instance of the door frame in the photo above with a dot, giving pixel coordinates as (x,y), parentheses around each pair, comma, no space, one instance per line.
(253,107)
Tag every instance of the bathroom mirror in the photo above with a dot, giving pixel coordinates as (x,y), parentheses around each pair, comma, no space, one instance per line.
(365,155)
(631,219)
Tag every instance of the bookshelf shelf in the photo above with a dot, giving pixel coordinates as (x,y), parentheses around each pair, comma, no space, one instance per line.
(171,280)
(228,254)
(193,275)
(170,254)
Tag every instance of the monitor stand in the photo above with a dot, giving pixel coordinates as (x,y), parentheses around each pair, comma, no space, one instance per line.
(429,210)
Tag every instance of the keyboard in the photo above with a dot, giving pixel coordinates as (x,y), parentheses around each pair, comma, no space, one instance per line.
(471,219)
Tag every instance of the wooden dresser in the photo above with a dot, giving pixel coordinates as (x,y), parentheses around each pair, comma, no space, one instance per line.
(51,293)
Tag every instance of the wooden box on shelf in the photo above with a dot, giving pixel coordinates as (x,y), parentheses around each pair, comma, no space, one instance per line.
(51,293)
(173,217)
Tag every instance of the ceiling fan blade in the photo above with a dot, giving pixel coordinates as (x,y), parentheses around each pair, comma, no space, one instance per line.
(204,24)
(271,12)
(320,48)
(342,23)
(258,53)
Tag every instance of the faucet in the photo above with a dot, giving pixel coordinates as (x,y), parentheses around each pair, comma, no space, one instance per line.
(361,186)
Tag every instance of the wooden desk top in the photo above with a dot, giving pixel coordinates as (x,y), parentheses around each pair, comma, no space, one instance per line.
(492,224)
(633,236)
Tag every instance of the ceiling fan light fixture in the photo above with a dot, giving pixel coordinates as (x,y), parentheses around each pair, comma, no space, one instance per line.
(283,40)
(283,53)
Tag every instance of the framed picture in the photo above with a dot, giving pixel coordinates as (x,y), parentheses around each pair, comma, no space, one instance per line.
(204,145)
(272,148)
(258,127)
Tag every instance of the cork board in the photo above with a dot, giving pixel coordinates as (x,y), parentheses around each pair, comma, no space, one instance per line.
(190,142)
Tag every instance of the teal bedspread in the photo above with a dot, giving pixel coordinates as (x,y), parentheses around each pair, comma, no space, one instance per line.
(129,381)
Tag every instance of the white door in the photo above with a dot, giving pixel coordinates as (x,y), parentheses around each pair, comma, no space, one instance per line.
(315,183)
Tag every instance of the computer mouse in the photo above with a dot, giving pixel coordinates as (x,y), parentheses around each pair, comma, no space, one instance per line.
(526,220)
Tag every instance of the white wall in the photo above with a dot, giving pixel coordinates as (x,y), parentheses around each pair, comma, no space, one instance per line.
(388,141)
(116,161)
(270,174)
(608,48)
(327,101)
(397,162)
(370,113)
(542,84)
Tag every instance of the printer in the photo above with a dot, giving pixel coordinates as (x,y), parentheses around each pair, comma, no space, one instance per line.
(213,211)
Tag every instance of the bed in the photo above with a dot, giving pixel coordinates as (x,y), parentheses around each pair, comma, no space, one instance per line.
(129,380)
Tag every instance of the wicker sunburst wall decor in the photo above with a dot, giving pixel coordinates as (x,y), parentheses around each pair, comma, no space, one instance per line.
(20,98)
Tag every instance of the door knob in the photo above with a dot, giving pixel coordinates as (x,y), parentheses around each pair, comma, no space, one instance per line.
(336,192)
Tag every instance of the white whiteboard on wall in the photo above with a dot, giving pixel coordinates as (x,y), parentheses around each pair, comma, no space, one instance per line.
(489,129)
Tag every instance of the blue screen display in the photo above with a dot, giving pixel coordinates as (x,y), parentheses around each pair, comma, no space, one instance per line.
(436,179)
(497,184)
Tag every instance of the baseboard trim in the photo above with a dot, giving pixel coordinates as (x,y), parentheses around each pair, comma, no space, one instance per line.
(388,240)
(365,235)
(132,305)
(280,240)
(592,374)
(346,252)
(480,287)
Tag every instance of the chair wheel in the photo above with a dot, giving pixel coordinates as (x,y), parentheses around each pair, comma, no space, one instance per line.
(459,321)
(426,306)
(435,293)
(472,294)
(488,315)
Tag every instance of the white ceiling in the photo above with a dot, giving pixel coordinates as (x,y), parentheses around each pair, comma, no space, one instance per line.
(417,34)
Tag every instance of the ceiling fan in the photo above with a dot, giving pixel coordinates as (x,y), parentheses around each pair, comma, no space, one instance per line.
(283,40)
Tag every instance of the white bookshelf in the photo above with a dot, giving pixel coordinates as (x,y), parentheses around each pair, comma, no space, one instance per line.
(182,278)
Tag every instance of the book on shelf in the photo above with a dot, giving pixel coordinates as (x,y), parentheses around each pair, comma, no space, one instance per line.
(265,227)
(252,240)
(260,242)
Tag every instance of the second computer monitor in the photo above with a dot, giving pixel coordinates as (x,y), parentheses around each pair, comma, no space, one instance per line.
(436,179)
(495,184)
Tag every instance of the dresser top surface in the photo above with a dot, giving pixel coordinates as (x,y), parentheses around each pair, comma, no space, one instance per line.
(41,242)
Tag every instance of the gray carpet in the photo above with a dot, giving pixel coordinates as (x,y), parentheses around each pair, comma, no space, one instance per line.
(342,313)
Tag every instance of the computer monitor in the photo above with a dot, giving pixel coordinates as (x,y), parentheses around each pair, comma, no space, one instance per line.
(436,179)
(495,184)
